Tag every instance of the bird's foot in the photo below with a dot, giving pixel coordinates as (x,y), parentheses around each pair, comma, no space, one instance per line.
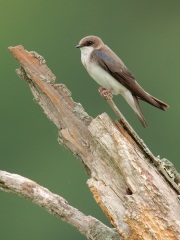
(105,93)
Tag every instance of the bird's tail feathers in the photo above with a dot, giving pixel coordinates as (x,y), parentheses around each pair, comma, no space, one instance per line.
(139,112)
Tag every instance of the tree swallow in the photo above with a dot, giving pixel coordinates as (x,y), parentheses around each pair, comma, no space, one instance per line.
(107,69)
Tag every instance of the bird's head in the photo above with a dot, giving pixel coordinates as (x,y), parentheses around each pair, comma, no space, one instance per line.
(92,42)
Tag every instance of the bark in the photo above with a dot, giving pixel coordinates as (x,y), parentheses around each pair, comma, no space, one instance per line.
(56,205)
(125,177)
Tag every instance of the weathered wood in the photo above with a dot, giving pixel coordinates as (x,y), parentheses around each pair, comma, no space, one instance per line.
(92,228)
(129,189)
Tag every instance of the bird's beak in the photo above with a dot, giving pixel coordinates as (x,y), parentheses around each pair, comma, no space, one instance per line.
(79,46)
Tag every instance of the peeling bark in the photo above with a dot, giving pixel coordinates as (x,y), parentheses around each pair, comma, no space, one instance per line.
(92,228)
(131,191)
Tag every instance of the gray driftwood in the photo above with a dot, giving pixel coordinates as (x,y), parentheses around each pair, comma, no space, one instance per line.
(131,191)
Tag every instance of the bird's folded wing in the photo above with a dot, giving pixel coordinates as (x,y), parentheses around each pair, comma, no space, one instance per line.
(110,62)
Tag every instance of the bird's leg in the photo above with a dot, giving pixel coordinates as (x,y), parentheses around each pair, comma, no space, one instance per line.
(105,93)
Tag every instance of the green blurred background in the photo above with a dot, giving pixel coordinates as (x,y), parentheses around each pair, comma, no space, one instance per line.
(145,34)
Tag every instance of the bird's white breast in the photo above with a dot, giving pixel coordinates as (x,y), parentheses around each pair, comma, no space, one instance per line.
(85,55)
(102,77)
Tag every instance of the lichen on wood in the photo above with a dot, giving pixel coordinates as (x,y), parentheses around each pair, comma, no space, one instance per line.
(131,191)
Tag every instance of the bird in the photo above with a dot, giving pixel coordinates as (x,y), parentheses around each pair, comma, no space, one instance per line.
(108,70)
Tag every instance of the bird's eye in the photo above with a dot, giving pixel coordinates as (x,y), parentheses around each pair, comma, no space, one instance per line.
(89,43)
